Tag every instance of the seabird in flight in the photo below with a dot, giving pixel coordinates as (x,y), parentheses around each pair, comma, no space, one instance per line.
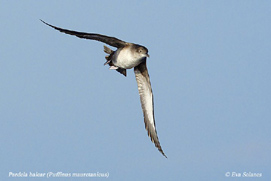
(127,56)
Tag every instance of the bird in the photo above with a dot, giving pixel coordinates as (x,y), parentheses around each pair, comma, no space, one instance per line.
(127,56)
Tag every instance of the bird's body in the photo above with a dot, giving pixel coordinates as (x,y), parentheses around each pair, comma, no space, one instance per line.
(127,56)
(127,59)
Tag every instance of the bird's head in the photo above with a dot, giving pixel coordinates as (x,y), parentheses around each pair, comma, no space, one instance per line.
(142,51)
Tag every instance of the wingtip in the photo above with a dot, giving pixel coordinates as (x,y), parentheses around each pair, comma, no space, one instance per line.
(43,21)
(47,24)
(163,153)
(157,144)
(160,150)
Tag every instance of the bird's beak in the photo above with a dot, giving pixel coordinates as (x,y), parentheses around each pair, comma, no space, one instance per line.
(147,55)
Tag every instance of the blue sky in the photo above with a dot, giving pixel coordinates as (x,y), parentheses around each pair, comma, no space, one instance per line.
(61,110)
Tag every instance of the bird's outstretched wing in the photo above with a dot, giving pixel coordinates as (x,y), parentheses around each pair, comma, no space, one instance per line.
(112,41)
(146,99)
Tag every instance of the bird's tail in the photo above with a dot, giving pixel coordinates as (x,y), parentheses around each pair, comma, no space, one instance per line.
(109,60)
(108,50)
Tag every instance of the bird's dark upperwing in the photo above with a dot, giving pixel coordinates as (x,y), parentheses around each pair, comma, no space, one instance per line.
(112,41)
(146,99)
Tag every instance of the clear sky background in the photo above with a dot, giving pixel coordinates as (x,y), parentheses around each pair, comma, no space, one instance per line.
(61,110)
